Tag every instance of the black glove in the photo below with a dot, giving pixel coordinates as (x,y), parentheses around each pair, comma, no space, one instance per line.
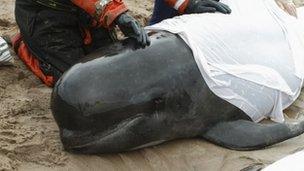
(131,28)
(204,6)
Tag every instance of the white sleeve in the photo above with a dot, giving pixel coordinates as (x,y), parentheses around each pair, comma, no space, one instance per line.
(5,56)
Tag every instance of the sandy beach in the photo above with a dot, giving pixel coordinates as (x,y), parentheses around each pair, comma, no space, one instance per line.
(29,137)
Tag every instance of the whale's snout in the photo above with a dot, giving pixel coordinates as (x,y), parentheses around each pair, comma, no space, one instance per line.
(96,114)
(113,130)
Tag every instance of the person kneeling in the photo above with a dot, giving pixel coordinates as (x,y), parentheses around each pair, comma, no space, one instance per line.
(56,34)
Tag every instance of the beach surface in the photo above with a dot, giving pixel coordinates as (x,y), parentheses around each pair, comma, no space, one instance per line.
(29,137)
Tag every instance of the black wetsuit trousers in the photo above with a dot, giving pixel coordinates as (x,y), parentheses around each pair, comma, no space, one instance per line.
(55,37)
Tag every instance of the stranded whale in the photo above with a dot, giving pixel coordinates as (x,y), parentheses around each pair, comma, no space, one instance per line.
(121,99)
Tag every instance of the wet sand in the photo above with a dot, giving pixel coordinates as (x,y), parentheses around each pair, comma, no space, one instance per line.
(29,137)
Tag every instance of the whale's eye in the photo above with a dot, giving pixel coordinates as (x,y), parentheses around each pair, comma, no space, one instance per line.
(158,100)
(159,103)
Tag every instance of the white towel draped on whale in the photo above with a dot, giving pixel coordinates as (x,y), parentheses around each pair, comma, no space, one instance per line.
(253,58)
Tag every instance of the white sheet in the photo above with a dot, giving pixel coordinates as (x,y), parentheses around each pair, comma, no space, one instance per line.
(301,13)
(292,162)
(253,58)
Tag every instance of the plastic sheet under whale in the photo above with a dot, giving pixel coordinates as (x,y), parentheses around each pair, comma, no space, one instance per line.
(253,58)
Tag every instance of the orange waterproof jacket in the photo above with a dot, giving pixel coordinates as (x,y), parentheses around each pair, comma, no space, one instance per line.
(104,15)
(179,5)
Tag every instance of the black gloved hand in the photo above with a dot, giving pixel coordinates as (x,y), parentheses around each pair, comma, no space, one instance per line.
(131,28)
(204,6)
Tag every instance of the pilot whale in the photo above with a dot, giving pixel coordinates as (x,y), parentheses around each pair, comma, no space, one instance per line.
(121,98)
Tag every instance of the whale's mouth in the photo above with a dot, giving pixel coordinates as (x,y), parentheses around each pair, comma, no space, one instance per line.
(153,143)
(103,141)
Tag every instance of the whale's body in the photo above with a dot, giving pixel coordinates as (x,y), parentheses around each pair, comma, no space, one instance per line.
(121,99)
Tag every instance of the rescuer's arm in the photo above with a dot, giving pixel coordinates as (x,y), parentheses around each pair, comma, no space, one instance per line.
(109,13)
(198,6)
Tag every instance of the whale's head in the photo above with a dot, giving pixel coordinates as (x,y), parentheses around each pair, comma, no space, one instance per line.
(126,99)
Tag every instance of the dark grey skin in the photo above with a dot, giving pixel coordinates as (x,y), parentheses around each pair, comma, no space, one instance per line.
(121,99)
